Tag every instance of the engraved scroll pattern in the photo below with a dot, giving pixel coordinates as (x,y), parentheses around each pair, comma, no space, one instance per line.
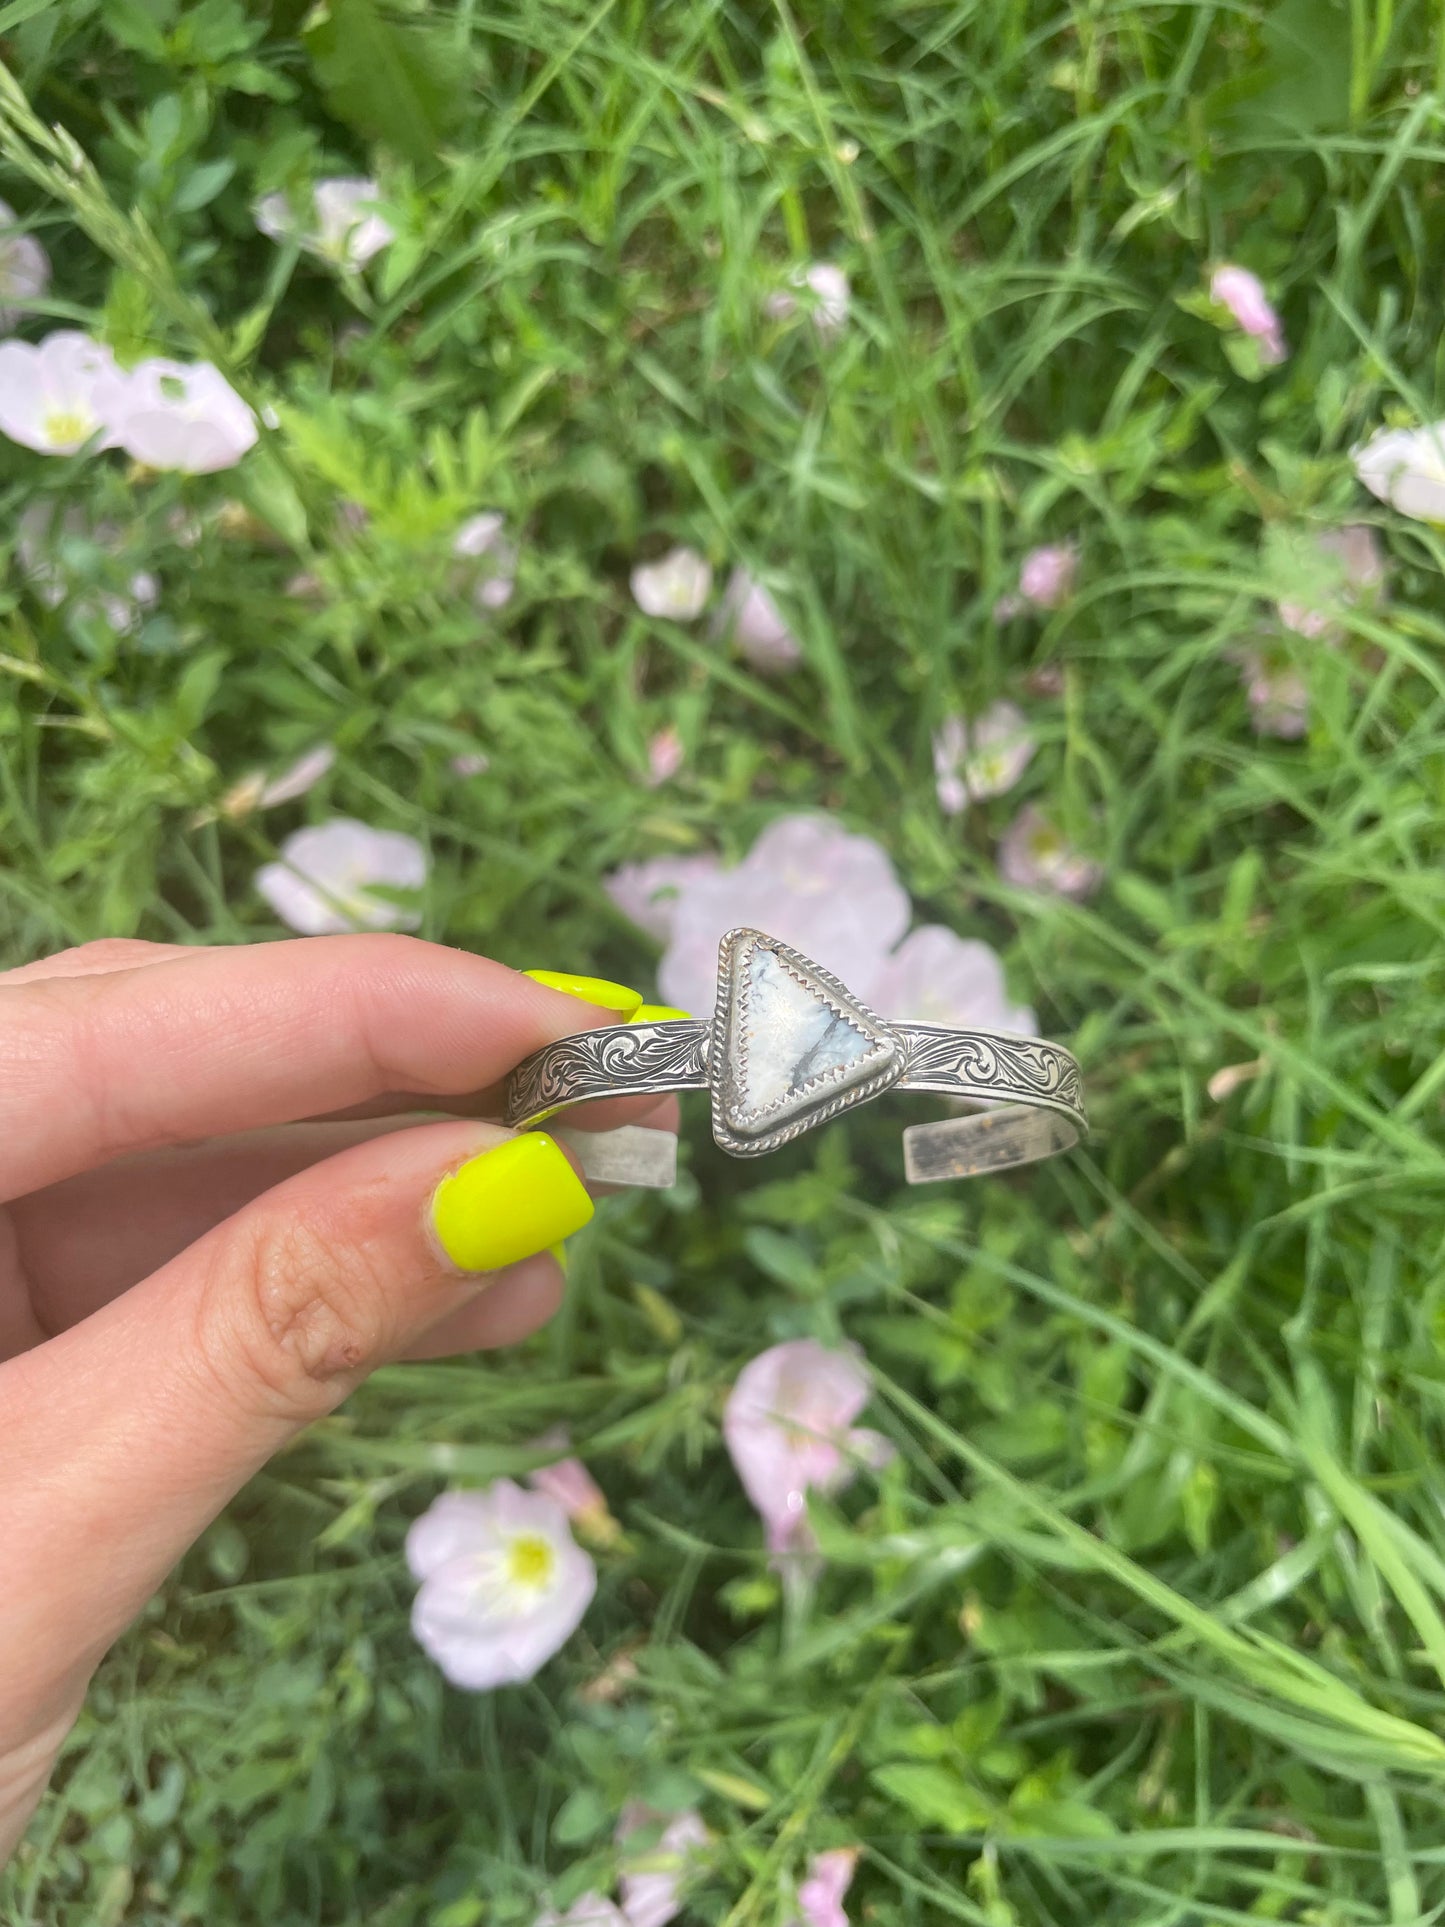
(976,1063)
(619,1061)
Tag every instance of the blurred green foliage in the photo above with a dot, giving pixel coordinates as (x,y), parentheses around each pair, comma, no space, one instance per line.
(1147,1622)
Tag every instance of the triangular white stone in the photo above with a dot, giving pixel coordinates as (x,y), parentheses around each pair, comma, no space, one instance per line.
(790,1046)
(793,1036)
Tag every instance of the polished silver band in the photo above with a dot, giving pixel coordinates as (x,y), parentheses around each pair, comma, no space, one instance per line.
(789,1047)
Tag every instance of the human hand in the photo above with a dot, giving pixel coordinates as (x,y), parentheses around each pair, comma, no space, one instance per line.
(215,1220)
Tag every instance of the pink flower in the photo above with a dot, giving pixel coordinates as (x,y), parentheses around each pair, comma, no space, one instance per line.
(503,1583)
(472,762)
(655,1875)
(1033,856)
(325,880)
(1047,575)
(1347,566)
(649,892)
(177,414)
(24,267)
(52,392)
(1243,295)
(981,758)
(935,977)
(677,586)
(664,756)
(831,894)
(572,1486)
(820,1898)
(483,539)
(832,298)
(1277,693)
(835,897)
(589,1910)
(750,618)
(788,1427)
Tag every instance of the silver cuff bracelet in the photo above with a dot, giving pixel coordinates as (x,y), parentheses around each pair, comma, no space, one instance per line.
(789,1047)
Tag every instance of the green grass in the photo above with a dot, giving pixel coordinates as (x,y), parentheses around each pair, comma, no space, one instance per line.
(1147,1624)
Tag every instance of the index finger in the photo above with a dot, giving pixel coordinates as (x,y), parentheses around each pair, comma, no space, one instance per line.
(93,1067)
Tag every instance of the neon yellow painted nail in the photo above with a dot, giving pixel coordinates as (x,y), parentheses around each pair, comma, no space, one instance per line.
(508,1203)
(659,1014)
(591,990)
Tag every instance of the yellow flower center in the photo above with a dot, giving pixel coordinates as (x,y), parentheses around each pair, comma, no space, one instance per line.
(66,425)
(530,1560)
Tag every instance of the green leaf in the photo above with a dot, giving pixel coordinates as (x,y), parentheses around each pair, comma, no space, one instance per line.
(202,185)
(582,1816)
(135,24)
(389,80)
(935,1795)
(265,487)
(1063,1820)
(784,1260)
(732,1786)
(19,11)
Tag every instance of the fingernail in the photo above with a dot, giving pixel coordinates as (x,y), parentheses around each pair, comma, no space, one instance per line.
(508,1203)
(591,990)
(659,1014)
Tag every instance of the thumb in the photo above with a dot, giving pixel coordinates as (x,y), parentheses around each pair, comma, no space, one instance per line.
(125,1435)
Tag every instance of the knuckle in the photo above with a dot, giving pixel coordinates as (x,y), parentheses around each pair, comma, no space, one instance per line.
(110,953)
(305,1311)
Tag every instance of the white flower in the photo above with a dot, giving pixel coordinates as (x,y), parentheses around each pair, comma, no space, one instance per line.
(483,539)
(261,792)
(1034,856)
(788,1427)
(832,298)
(590,1910)
(472,762)
(503,1583)
(324,883)
(985,757)
(830,894)
(342,225)
(24,268)
(677,586)
(654,1876)
(1404,467)
(750,618)
(51,394)
(177,414)
(302,775)
(937,977)
(1242,295)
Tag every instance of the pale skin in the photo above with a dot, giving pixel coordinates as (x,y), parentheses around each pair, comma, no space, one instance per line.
(214,1222)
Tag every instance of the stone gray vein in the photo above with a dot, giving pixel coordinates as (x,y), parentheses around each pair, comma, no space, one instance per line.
(793,1036)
